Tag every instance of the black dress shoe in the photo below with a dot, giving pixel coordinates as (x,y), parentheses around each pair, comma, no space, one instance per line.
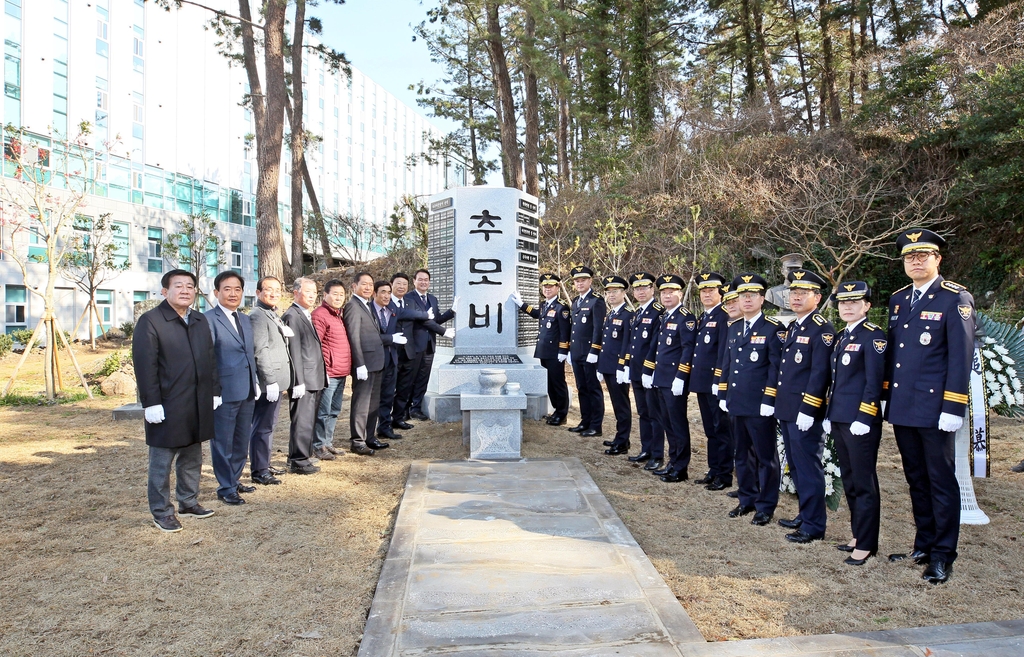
(937,572)
(675,477)
(761,519)
(422,417)
(791,524)
(578,428)
(231,498)
(362,450)
(803,538)
(843,547)
(265,479)
(653,465)
(640,458)
(556,421)
(716,484)
(919,557)
(373,443)
(401,424)
(740,510)
(389,434)
(734,494)
(850,561)
(661,472)
(589,433)
(615,450)
(706,479)
(277,471)
(608,443)
(242,488)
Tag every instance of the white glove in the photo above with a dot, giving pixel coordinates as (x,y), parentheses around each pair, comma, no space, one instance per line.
(721,405)
(600,377)
(767,411)
(399,338)
(273,392)
(803,422)
(361,373)
(563,357)
(449,333)
(287,332)
(591,358)
(298,391)
(647,380)
(455,303)
(678,387)
(259,393)
(155,414)
(622,376)
(859,429)
(949,422)
(430,313)
(883,403)
(516,298)
(826,425)
(217,401)
(714,389)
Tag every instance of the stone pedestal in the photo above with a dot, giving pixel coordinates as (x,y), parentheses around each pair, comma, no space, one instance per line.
(130,412)
(493,425)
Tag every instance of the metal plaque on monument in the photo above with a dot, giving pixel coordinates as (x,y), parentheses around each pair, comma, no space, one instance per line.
(482,245)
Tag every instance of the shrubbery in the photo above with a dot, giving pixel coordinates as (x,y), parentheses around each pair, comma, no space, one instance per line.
(6,344)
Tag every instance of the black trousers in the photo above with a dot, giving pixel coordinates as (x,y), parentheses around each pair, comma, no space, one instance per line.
(588,388)
(677,429)
(405,382)
(302,412)
(363,411)
(619,394)
(422,379)
(803,452)
(858,460)
(388,378)
(655,409)
(928,463)
(558,391)
(720,446)
(757,462)
(261,437)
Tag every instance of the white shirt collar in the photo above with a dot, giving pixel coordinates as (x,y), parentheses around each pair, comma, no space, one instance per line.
(618,307)
(924,288)
(711,309)
(752,319)
(799,321)
(850,327)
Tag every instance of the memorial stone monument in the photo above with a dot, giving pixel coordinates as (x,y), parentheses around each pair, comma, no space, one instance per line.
(482,245)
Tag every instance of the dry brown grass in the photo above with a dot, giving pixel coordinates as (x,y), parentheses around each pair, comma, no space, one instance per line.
(86,573)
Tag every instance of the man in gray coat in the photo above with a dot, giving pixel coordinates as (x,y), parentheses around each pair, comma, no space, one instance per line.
(309,375)
(176,371)
(368,355)
(236,367)
(274,373)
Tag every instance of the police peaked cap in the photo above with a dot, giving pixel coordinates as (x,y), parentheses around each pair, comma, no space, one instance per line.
(582,272)
(549,279)
(643,278)
(612,282)
(670,282)
(852,291)
(749,283)
(919,239)
(709,279)
(805,279)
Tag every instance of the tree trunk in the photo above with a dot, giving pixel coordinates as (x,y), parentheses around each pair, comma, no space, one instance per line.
(298,134)
(750,78)
(897,23)
(641,60)
(766,66)
(562,138)
(531,145)
(511,163)
(804,84)
(828,71)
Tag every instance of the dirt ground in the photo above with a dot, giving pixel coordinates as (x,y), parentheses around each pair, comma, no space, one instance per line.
(293,572)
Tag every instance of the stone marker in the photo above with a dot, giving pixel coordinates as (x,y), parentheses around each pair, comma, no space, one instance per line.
(492,419)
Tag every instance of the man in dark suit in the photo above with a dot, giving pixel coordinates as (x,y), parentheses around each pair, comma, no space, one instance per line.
(389,317)
(176,371)
(424,337)
(614,340)
(747,394)
(931,339)
(368,358)
(552,343)
(712,327)
(588,310)
(309,376)
(236,367)
(642,332)
(274,372)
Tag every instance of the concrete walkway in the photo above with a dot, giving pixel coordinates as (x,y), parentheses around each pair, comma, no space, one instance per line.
(528,558)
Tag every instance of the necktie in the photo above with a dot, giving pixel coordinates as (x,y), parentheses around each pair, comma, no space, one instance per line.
(915,299)
(383,320)
(423,298)
(746,328)
(238,324)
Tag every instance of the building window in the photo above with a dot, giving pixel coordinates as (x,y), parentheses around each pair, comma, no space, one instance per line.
(121,232)
(211,258)
(105,306)
(155,239)
(256,260)
(138,296)
(236,257)
(17,301)
(250,302)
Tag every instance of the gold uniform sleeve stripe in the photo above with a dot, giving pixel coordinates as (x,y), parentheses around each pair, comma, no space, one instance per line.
(595,346)
(812,401)
(718,372)
(870,409)
(723,386)
(683,367)
(649,363)
(885,385)
(770,392)
(529,309)
(954,397)
(563,345)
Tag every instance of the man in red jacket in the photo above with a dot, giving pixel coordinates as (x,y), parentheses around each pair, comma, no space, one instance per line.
(338,357)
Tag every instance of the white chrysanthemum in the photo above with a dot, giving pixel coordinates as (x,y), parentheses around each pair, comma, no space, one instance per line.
(988,340)
(1002,379)
(1000,349)
(988,354)
(1015,383)
(989,376)
(1009,361)
(829,489)
(1018,397)
(1010,371)
(827,454)
(995,400)
(1007,393)
(996,365)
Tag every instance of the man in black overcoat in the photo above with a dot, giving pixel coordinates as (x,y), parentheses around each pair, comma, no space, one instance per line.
(176,371)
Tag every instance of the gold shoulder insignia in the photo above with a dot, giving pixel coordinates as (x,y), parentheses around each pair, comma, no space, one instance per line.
(732,321)
(658,306)
(953,287)
(901,289)
(818,319)
(772,320)
(872,327)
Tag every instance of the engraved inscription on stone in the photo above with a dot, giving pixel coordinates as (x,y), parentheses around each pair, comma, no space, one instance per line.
(528,282)
(486,359)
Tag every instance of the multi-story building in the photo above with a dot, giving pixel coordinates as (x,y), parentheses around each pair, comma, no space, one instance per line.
(156,82)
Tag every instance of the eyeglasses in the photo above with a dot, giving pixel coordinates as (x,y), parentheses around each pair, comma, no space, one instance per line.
(917,257)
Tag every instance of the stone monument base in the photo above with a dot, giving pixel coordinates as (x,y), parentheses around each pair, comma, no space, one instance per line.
(493,425)
(130,412)
(447,408)
(442,402)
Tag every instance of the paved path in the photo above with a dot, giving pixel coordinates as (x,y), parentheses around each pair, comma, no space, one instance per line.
(528,558)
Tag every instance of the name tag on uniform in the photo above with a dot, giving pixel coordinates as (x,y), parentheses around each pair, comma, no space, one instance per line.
(645,320)
(617,322)
(671,327)
(758,339)
(803,339)
(711,324)
(853,346)
(930,316)
(551,313)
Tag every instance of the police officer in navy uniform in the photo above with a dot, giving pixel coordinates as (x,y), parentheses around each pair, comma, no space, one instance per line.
(642,333)
(747,393)
(552,343)
(614,341)
(731,305)
(854,418)
(805,372)
(588,310)
(667,370)
(712,327)
(931,348)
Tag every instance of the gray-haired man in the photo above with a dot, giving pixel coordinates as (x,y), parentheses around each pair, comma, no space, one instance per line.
(309,375)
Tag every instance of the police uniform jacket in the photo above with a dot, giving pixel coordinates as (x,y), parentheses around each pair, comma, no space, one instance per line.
(642,333)
(670,357)
(614,339)
(712,329)
(858,367)
(752,366)
(587,324)
(554,325)
(930,354)
(805,369)
(723,353)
